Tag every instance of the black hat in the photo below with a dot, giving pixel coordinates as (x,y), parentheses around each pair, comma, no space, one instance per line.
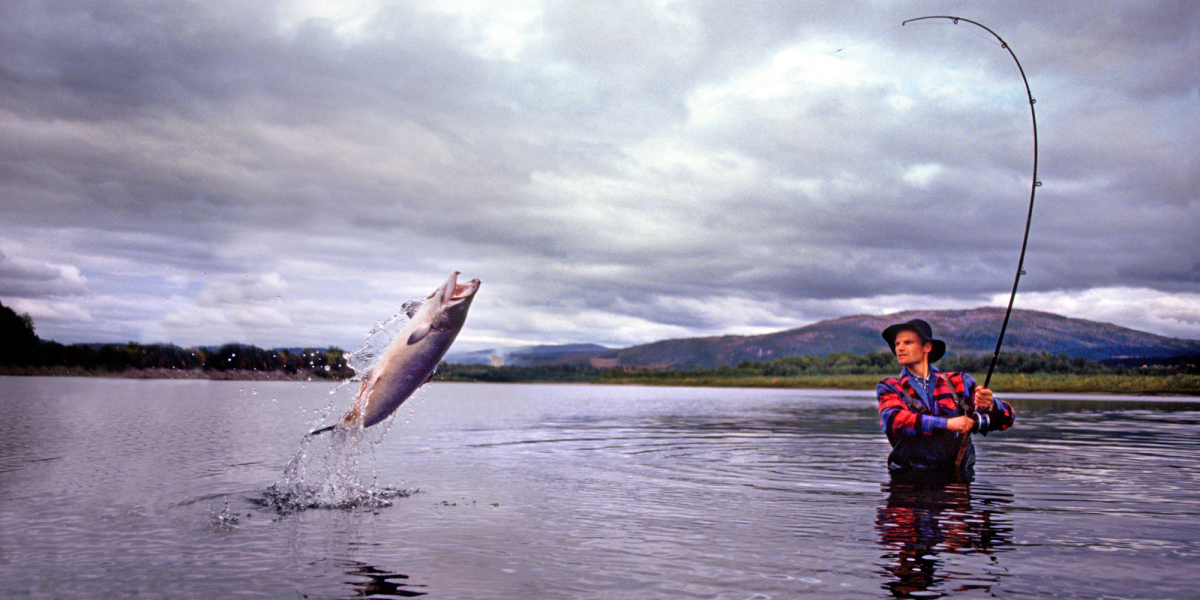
(922,329)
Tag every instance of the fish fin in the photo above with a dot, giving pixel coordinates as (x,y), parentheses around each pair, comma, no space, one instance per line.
(418,335)
(320,431)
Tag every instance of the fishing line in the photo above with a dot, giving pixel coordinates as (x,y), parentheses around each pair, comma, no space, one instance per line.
(1033,187)
(868,38)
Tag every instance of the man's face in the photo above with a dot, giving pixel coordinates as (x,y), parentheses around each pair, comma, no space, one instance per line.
(910,350)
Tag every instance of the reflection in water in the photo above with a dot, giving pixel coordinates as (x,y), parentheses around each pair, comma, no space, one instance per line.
(367,581)
(940,536)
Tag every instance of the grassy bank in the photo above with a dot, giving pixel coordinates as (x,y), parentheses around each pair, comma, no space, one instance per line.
(1107,383)
(1178,384)
(154,373)
(1103,383)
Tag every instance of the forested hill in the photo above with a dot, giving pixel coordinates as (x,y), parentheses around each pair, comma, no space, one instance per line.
(966,332)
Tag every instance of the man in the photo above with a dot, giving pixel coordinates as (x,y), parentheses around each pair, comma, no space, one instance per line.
(928,416)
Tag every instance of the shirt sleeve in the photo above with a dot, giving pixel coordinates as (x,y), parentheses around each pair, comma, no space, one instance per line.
(999,418)
(896,418)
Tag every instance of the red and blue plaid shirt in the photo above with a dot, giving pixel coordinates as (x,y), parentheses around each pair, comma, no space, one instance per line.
(933,404)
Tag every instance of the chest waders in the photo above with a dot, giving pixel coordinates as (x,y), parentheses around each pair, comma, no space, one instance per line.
(937,452)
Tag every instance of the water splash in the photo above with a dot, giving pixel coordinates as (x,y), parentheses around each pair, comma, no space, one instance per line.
(331,478)
(226,521)
(365,357)
(327,470)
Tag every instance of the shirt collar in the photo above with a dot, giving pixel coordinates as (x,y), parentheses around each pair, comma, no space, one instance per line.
(925,387)
(904,372)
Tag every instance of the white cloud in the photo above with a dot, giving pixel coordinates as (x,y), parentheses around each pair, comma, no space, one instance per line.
(31,278)
(1164,313)
(52,294)
(229,309)
(51,313)
(921,176)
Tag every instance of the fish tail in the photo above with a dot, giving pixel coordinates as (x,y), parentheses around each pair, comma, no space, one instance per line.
(320,431)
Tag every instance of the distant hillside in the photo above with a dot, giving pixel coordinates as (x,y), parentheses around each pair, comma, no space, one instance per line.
(965,332)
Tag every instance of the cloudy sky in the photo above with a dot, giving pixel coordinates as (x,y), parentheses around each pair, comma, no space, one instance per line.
(287,173)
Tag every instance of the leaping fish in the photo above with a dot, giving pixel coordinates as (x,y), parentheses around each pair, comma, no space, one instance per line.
(413,356)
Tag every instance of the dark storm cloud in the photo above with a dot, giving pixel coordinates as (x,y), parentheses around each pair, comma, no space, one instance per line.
(614,173)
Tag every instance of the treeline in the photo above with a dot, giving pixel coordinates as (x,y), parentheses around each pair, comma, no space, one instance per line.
(843,364)
(20,347)
(328,363)
(883,364)
(539,374)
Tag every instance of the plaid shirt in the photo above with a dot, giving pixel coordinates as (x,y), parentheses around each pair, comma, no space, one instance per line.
(933,405)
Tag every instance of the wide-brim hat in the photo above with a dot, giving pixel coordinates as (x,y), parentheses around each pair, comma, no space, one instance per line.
(922,329)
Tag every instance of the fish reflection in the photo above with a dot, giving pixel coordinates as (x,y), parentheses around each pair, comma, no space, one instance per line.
(371,582)
(940,538)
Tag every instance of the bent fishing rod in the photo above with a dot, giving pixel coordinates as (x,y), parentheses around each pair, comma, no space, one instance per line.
(1033,187)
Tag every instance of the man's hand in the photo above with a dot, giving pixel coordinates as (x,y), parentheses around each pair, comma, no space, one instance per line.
(960,424)
(983,399)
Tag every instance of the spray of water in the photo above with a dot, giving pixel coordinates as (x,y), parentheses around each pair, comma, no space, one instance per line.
(366,356)
(225,521)
(328,471)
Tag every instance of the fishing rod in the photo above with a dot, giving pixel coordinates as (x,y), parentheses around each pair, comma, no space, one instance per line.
(1033,188)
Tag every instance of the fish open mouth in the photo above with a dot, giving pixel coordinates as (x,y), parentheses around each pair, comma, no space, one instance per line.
(464,290)
(453,292)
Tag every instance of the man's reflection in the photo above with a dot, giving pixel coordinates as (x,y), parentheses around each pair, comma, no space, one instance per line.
(927,519)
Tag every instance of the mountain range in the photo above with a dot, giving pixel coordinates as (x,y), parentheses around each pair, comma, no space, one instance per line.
(965,332)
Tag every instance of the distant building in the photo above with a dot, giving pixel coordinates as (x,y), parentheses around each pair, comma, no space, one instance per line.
(497,360)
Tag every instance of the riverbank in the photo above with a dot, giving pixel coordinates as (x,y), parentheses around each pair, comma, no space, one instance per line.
(210,374)
(1141,385)
(1108,383)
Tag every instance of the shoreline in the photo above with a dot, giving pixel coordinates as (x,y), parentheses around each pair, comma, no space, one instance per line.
(1186,386)
(158,373)
(1022,384)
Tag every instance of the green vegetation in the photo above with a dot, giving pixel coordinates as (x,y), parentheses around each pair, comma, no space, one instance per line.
(101,359)
(1109,383)
(539,374)
(18,343)
(21,348)
(326,364)
(21,352)
(1014,373)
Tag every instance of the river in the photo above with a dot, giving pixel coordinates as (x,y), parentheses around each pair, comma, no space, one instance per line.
(182,489)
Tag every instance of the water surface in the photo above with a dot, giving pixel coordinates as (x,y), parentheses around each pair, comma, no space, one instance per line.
(130,488)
